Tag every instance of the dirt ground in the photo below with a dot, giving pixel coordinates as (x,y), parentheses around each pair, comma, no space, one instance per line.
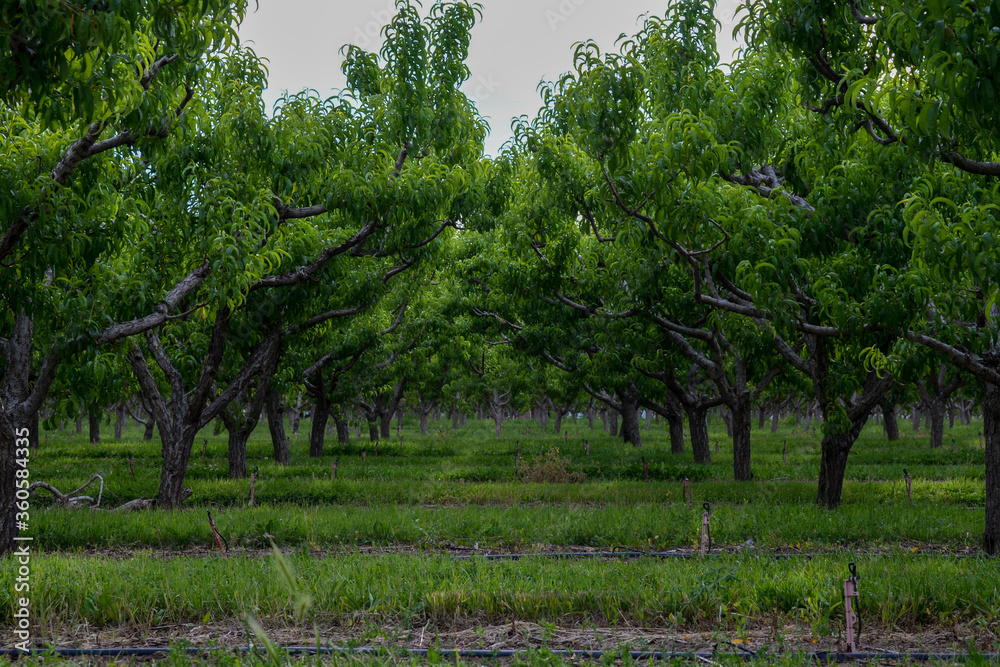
(774,638)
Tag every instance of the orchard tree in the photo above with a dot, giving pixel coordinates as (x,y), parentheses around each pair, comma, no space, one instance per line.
(390,159)
(918,77)
(85,94)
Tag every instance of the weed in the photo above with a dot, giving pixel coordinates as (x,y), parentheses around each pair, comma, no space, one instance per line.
(550,467)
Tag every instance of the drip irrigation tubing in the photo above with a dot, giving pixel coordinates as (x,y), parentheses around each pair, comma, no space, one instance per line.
(821,656)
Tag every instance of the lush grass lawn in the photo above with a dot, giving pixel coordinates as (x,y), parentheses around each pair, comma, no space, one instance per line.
(453,490)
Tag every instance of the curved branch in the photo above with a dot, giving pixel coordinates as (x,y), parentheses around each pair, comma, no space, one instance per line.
(972,166)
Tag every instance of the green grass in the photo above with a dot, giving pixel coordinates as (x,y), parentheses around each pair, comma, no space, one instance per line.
(769,525)
(147,590)
(471,465)
(457,488)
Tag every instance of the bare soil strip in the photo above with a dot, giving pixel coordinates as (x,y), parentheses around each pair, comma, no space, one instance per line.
(458,551)
(774,638)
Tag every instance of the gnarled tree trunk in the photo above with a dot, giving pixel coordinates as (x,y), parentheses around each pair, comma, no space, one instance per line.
(741,419)
(698,427)
(628,399)
(991,438)
(94,419)
(889,420)
(276,425)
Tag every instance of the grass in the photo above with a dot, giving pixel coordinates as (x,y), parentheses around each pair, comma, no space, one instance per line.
(769,525)
(459,489)
(147,590)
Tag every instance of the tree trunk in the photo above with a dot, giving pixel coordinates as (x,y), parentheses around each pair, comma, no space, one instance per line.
(94,418)
(727,418)
(630,431)
(425,411)
(373,430)
(19,404)
(320,415)
(558,424)
(343,431)
(698,426)
(295,415)
(935,414)
(916,417)
(12,437)
(741,420)
(176,454)
(276,424)
(590,415)
(890,423)
(464,419)
(675,422)
(612,422)
(238,451)
(761,416)
(832,466)
(150,427)
(121,419)
(775,418)
(79,424)
(991,436)
(498,420)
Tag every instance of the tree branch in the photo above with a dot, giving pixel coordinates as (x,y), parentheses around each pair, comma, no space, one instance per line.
(971,166)
(180,292)
(155,403)
(306,272)
(961,358)
(213,360)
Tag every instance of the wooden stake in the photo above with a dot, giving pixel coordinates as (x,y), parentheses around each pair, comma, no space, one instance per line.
(851,619)
(253,485)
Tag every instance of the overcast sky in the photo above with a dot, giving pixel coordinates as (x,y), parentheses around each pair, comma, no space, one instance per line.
(517,44)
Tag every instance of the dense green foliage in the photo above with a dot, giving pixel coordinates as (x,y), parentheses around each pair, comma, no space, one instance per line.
(809,232)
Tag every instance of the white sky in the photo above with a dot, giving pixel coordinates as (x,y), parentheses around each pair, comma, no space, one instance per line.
(517,44)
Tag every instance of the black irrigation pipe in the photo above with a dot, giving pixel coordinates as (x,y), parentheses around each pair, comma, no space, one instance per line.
(821,656)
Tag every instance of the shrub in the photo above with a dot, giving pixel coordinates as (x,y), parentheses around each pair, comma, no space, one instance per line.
(550,467)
